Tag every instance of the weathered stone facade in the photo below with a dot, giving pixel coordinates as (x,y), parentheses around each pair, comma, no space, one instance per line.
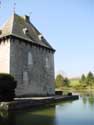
(40,78)
(32,65)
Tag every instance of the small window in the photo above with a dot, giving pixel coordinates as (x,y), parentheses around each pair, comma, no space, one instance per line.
(47,62)
(30,62)
(25,30)
(40,36)
(25,77)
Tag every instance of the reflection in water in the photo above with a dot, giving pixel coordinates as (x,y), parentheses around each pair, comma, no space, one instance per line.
(40,117)
(4,114)
(8,118)
(84,99)
(91,100)
(68,113)
(88,99)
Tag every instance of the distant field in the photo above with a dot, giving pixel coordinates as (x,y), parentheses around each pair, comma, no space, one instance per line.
(76,85)
(74,82)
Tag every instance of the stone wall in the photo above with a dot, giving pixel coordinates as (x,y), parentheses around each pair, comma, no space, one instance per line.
(33,68)
(4,56)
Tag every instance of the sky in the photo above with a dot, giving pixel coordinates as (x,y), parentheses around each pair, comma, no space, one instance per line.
(68,25)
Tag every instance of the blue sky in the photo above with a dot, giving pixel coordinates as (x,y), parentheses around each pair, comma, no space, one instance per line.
(67,24)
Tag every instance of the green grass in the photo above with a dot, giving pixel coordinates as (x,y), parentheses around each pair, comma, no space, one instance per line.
(75,85)
(74,82)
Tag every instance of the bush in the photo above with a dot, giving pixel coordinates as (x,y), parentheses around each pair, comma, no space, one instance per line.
(7,81)
(5,76)
(59,81)
(7,87)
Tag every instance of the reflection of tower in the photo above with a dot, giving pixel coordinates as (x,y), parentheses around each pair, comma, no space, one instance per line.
(11,118)
(3,114)
(7,118)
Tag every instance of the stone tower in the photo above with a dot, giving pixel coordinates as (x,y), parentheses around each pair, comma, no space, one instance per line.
(27,55)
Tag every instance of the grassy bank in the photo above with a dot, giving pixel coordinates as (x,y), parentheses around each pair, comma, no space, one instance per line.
(76,86)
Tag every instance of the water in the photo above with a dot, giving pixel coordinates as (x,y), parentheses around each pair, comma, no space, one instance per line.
(79,112)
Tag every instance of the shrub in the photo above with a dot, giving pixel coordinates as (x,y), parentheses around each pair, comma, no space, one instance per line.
(7,81)
(7,87)
(6,76)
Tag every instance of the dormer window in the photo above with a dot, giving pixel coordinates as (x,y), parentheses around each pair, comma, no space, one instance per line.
(40,36)
(25,31)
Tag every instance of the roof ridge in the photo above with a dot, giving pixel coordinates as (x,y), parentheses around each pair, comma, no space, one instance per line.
(15,26)
(12,22)
(7,26)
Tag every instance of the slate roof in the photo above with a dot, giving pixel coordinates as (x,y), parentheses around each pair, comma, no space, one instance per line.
(17,25)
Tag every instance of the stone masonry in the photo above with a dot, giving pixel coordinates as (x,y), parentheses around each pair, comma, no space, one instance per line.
(32,64)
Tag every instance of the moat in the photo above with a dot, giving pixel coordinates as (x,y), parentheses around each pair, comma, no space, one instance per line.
(78,112)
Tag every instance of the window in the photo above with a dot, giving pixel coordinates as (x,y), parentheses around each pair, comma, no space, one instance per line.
(25,77)
(30,62)
(47,62)
(25,31)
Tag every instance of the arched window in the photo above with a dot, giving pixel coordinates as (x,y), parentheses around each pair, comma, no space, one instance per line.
(30,61)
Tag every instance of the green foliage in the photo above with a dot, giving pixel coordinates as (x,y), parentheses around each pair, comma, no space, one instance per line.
(83,78)
(83,81)
(75,84)
(7,81)
(87,80)
(66,81)
(5,76)
(7,87)
(90,79)
(59,81)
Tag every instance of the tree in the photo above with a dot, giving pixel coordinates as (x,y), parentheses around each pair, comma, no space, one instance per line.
(66,81)
(83,80)
(59,81)
(7,87)
(90,79)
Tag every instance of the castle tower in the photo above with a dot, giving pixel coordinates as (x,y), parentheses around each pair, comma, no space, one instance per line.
(27,55)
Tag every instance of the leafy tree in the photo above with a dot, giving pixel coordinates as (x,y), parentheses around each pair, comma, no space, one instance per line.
(59,81)
(66,81)
(83,78)
(90,79)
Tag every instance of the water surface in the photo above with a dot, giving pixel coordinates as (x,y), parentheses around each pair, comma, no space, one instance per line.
(79,112)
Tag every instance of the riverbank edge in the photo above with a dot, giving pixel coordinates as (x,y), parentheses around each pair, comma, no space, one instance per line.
(25,103)
(71,89)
